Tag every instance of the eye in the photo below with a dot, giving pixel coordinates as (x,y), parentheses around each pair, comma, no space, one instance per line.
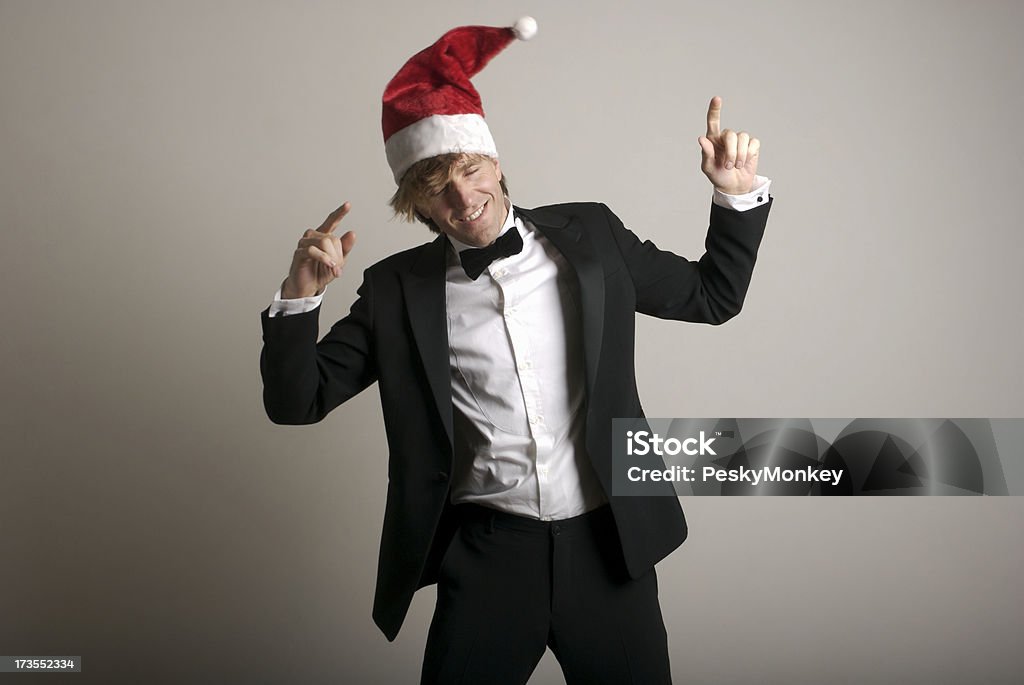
(472,170)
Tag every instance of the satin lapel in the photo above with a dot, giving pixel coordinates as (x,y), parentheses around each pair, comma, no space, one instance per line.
(423,287)
(568,236)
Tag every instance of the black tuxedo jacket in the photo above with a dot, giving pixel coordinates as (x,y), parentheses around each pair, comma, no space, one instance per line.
(396,335)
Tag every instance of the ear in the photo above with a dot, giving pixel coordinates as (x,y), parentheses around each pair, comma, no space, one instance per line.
(497,169)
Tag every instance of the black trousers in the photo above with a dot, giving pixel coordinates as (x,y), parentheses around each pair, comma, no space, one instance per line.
(510,587)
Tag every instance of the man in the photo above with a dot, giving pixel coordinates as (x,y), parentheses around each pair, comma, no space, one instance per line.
(503,349)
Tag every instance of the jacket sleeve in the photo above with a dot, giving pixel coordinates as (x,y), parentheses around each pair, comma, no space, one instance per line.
(709,290)
(303,380)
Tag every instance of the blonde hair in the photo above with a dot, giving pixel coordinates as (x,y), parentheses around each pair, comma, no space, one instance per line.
(427,178)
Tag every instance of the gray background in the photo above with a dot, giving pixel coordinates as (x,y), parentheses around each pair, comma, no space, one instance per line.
(159,161)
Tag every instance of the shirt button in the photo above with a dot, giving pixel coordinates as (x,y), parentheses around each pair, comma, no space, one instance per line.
(759,198)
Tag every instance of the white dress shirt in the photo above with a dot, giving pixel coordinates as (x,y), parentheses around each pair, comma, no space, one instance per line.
(518,385)
(517,373)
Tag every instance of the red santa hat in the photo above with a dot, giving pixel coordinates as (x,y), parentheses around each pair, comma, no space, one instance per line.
(430,106)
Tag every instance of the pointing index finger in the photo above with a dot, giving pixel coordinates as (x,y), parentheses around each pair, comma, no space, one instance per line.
(334,218)
(714,116)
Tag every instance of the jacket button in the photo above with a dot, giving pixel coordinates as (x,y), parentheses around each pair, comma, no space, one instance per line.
(441,477)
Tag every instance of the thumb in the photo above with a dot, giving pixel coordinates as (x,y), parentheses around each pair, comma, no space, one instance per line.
(347,241)
(707,149)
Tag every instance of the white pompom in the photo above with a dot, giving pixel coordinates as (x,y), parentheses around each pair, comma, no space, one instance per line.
(525,28)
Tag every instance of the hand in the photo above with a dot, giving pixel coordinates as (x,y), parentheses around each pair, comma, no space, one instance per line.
(319,257)
(728,159)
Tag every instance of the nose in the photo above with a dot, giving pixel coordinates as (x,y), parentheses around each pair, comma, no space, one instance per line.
(460,194)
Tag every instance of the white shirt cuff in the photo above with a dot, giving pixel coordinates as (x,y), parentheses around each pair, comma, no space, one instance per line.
(741,203)
(299,305)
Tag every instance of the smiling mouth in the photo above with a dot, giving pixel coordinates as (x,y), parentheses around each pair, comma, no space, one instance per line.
(475,215)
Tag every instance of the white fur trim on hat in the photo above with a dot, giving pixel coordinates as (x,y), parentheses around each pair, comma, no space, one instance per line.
(437,135)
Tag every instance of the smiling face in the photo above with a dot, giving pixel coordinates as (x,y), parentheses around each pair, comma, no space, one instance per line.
(471,206)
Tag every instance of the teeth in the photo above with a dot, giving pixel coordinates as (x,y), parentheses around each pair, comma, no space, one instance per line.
(476,214)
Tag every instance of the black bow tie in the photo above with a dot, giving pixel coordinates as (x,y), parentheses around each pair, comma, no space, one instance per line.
(476,259)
